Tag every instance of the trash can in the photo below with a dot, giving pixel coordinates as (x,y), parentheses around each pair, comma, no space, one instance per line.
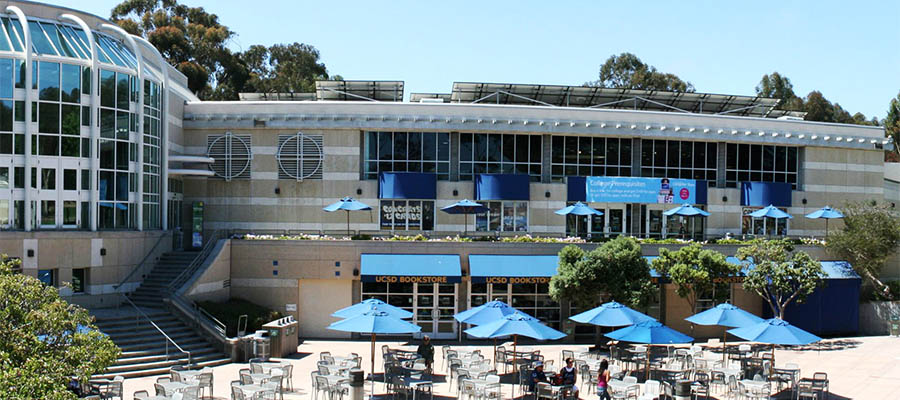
(283,335)
(895,327)
(261,344)
(683,389)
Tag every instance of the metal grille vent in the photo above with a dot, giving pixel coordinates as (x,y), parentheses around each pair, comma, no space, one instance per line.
(299,156)
(232,155)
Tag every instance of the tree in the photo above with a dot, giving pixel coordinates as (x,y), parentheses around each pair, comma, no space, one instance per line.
(869,237)
(892,122)
(627,71)
(45,341)
(283,68)
(614,271)
(189,38)
(779,87)
(780,275)
(696,272)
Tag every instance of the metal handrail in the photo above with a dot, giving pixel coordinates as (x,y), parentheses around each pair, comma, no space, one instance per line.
(200,315)
(140,264)
(173,289)
(168,339)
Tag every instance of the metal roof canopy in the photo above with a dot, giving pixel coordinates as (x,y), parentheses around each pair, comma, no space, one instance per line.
(359,90)
(595,97)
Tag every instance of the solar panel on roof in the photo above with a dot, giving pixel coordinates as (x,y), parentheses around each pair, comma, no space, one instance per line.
(359,90)
(595,97)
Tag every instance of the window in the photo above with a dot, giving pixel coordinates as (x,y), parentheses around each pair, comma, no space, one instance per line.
(679,159)
(79,279)
(483,153)
(532,298)
(4,212)
(410,215)
(762,226)
(47,276)
(48,179)
(505,216)
(761,163)
(70,213)
(720,293)
(48,213)
(232,154)
(70,179)
(589,156)
(4,177)
(407,152)
(299,156)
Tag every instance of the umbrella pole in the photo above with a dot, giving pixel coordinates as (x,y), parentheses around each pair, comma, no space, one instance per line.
(647,371)
(724,347)
(515,364)
(772,365)
(348,228)
(826,228)
(373,363)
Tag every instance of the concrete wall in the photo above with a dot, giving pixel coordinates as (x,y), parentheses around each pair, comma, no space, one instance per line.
(64,251)
(318,299)
(874,317)
(214,284)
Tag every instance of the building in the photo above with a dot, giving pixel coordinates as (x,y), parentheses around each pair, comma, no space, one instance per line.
(119,157)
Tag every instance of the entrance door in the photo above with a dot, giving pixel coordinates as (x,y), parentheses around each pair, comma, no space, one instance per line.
(611,223)
(434,307)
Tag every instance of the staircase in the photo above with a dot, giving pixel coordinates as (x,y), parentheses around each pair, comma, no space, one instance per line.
(143,347)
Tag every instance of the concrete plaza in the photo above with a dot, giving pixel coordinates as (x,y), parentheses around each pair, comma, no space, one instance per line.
(857,368)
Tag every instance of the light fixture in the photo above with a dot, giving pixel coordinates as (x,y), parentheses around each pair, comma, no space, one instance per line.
(277,190)
(547,194)
(803,201)
(724,199)
(358,191)
(455,192)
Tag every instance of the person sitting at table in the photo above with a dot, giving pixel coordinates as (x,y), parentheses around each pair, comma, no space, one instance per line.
(568,374)
(537,376)
(603,380)
(426,351)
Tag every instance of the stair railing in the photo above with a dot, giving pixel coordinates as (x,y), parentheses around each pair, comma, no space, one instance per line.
(140,265)
(158,329)
(197,313)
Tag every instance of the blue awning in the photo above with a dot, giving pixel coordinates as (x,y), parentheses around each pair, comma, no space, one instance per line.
(512,268)
(575,186)
(410,268)
(761,194)
(407,185)
(502,187)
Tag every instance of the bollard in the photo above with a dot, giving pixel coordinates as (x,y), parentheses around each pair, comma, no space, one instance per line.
(357,381)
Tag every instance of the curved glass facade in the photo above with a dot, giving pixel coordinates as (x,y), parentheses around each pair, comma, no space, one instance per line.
(63,179)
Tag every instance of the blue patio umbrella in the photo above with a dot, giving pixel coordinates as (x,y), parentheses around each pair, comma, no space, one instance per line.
(371,305)
(649,332)
(485,313)
(686,210)
(775,331)
(374,322)
(347,204)
(825,213)
(466,207)
(515,324)
(724,314)
(578,208)
(770,211)
(611,314)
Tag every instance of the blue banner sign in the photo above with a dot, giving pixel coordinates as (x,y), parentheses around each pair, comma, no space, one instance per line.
(612,189)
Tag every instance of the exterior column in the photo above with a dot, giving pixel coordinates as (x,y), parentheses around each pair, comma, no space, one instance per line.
(29,128)
(721,164)
(164,157)
(140,116)
(95,118)
(546,158)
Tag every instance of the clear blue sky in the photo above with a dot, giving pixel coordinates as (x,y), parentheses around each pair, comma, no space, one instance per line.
(850,51)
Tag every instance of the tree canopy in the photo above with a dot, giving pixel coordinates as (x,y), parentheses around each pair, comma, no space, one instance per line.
(627,71)
(615,270)
(816,106)
(45,341)
(892,122)
(195,42)
(780,275)
(870,235)
(696,272)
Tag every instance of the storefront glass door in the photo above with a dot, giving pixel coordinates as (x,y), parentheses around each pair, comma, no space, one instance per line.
(432,304)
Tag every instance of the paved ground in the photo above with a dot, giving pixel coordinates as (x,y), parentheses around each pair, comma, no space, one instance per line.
(858,368)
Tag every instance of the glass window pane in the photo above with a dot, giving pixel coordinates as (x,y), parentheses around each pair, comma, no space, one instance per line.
(673,157)
(70,215)
(49,145)
(71,119)
(494,147)
(535,148)
(571,153)
(48,212)
(107,123)
(48,81)
(70,146)
(6,78)
(612,151)
(107,88)
(659,153)
(556,150)
(480,147)
(71,83)
(122,156)
(429,146)
(443,146)
(123,91)
(414,144)
(465,147)
(584,150)
(122,125)
(48,118)
(40,42)
(6,115)
(625,152)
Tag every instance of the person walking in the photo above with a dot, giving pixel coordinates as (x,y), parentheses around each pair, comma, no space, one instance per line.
(426,351)
(603,380)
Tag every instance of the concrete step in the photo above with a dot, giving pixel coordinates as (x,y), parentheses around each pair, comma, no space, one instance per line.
(130,325)
(145,336)
(194,346)
(138,326)
(163,371)
(159,342)
(174,354)
(119,369)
